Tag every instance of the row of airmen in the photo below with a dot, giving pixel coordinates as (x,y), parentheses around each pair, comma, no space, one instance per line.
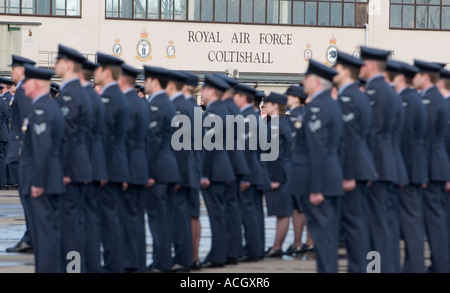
(370,168)
(90,166)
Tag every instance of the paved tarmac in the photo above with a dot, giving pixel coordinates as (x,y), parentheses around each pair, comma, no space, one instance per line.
(12,226)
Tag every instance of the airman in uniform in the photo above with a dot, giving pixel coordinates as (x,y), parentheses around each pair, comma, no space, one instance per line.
(438,165)
(414,155)
(133,200)
(380,197)
(357,160)
(217,169)
(20,106)
(41,170)
(99,171)
(76,109)
(322,193)
(117,116)
(163,167)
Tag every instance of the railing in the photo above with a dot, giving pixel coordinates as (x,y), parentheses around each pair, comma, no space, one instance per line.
(47,59)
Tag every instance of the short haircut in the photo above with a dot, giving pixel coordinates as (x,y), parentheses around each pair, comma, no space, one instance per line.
(87,74)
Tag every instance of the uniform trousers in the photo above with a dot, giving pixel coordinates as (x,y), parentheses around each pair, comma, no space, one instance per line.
(181,235)
(412,230)
(158,219)
(324,225)
(92,229)
(44,213)
(215,200)
(436,226)
(251,223)
(73,222)
(355,229)
(111,228)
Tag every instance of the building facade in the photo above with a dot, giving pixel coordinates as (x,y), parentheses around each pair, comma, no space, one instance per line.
(264,41)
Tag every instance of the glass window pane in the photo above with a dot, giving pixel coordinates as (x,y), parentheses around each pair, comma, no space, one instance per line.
(139,9)
(434,17)
(166,9)
(396,16)
(259,11)
(408,16)
(445,2)
(153,9)
(220,11)
(421,1)
(233,10)
(13,6)
(180,10)
(59,7)
(434,2)
(194,9)
(28,7)
(421,17)
(336,14)
(43,7)
(310,13)
(246,10)
(2,6)
(112,8)
(74,8)
(207,10)
(285,12)
(445,17)
(408,1)
(272,11)
(125,8)
(349,14)
(396,1)
(324,14)
(299,12)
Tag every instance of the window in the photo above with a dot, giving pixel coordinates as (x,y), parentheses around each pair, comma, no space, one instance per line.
(420,14)
(71,8)
(336,13)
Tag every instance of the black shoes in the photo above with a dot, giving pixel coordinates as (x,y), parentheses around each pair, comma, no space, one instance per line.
(211,265)
(20,247)
(274,253)
(196,266)
(293,250)
(232,261)
(299,250)
(180,269)
(249,259)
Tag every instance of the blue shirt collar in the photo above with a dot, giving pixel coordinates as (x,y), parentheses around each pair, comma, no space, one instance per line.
(316,95)
(373,78)
(67,82)
(38,98)
(176,95)
(108,86)
(209,104)
(150,99)
(344,87)
(246,107)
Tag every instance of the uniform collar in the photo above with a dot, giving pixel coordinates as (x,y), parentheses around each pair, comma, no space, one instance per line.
(63,85)
(175,96)
(152,97)
(344,87)
(373,78)
(108,86)
(128,90)
(246,107)
(316,94)
(38,98)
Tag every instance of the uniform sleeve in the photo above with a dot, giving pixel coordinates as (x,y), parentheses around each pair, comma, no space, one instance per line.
(41,136)
(155,136)
(316,133)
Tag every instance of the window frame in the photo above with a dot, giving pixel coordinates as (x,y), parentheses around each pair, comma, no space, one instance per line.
(291,16)
(35,14)
(415,28)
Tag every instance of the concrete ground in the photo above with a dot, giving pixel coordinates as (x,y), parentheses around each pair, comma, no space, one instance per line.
(12,226)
